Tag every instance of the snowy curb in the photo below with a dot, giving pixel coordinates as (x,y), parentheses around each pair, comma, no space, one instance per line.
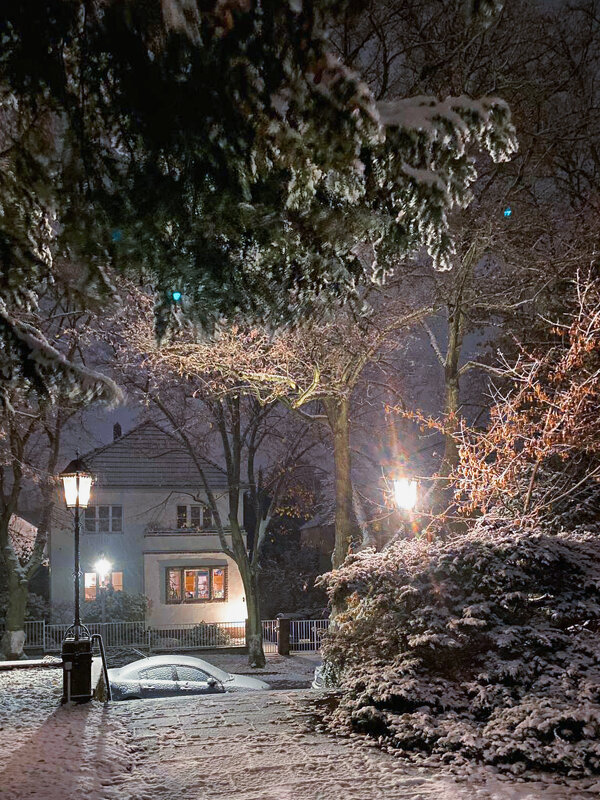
(31,663)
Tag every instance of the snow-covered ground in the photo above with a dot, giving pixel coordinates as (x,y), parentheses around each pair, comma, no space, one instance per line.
(55,752)
(247,747)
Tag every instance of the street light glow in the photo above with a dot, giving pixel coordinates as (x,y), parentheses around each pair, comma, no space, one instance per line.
(103,567)
(405,493)
(77,483)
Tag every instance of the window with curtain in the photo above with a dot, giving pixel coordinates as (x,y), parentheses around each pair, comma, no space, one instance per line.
(196,584)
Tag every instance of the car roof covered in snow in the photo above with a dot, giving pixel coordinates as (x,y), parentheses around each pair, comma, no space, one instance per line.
(188,661)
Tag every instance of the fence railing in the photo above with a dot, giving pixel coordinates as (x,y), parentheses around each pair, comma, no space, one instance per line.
(270,634)
(198,636)
(114,634)
(305,635)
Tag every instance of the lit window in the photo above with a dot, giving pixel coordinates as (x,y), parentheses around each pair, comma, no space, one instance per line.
(174,586)
(91,583)
(104,519)
(117,581)
(196,584)
(218,584)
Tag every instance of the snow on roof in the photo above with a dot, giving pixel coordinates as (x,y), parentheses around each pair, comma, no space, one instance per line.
(22,534)
(149,456)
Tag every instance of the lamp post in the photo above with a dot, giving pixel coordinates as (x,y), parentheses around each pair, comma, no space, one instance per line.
(77,644)
(103,569)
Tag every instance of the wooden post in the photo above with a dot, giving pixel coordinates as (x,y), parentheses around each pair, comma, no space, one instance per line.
(283,637)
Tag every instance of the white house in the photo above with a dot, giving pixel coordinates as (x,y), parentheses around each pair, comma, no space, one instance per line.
(149,519)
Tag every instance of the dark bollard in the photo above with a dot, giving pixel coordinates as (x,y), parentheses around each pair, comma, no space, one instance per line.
(77,669)
(283,637)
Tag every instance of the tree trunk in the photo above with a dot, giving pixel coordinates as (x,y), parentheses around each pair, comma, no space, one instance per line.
(254,639)
(346,528)
(13,638)
(249,574)
(441,496)
(451,407)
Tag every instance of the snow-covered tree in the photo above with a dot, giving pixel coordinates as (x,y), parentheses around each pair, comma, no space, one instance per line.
(314,370)
(31,426)
(221,152)
(481,649)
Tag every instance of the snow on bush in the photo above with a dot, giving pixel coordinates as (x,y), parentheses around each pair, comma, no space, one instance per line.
(483,648)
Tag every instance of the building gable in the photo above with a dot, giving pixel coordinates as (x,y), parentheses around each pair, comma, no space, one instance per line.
(147,456)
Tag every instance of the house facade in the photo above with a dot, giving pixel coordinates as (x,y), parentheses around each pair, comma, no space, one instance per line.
(149,530)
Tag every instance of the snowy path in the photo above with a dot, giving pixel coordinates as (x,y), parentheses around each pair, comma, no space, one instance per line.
(257,747)
(224,747)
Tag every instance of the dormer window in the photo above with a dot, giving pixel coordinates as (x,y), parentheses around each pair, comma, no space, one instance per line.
(197,517)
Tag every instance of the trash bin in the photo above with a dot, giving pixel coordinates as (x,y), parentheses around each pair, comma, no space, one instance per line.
(77,669)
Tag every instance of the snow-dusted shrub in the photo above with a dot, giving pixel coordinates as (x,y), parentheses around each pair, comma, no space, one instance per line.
(485,647)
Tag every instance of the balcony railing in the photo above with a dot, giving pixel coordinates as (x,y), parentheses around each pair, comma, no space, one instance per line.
(163,530)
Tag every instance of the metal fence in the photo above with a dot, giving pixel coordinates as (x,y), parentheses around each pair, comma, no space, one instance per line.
(114,634)
(305,635)
(196,636)
(270,633)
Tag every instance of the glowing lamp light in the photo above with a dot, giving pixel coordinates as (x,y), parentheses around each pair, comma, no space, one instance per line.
(405,493)
(508,212)
(176,296)
(103,567)
(77,482)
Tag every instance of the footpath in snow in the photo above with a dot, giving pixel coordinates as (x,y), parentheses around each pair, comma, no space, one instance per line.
(223,747)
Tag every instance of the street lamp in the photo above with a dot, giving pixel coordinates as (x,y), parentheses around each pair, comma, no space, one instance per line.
(77,644)
(103,568)
(405,493)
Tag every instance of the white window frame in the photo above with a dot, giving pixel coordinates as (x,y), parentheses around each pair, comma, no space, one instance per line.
(205,516)
(97,518)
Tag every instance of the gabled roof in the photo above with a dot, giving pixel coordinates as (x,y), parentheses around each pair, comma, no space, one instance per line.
(149,456)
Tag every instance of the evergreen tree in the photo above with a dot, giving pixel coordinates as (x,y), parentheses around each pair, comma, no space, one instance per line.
(219,152)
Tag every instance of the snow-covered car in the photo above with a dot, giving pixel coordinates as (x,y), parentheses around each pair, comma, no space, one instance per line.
(173,675)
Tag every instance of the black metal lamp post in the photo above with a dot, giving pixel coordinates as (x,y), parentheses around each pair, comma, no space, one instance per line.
(77,644)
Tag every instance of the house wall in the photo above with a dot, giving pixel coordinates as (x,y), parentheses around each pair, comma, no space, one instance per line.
(141,553)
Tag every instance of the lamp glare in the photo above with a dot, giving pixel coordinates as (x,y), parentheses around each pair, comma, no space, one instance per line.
(405,493)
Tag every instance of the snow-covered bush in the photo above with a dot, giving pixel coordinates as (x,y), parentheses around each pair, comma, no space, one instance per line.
(483,648)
